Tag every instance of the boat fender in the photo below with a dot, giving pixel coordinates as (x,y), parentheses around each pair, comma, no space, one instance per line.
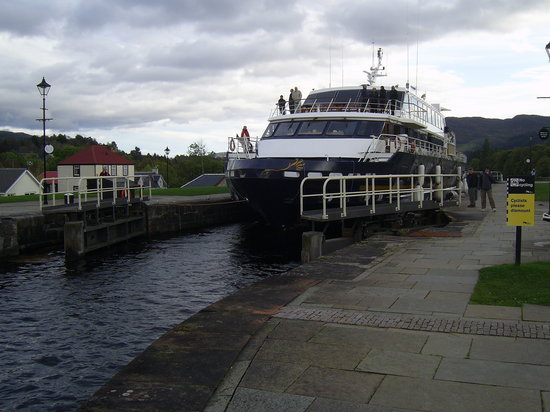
(232,145)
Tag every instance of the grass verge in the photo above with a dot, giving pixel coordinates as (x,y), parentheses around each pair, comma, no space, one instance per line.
(513,285)
(542,191)
(176,191)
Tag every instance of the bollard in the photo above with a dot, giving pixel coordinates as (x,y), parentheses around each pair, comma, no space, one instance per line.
(312,246)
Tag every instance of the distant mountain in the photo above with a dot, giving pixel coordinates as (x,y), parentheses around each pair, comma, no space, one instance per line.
(4,134)
(503,134)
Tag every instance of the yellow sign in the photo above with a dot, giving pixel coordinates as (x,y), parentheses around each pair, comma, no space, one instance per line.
(521,210)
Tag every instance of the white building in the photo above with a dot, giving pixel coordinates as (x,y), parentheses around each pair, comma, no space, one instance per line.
(90,162)
(17,182)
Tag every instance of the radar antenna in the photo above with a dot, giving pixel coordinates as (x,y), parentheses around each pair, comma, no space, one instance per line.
(376,71)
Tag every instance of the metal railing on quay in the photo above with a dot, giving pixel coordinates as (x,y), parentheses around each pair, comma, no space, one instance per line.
(379,189)
(98,188)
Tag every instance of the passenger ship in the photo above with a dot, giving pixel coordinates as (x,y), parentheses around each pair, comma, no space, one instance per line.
(339,131)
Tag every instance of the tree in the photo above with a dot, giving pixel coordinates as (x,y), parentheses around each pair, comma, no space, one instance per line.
(136,154)
(197,149)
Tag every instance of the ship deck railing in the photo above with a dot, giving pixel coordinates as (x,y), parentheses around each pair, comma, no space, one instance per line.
(407,111)
(376,195)
(391,143)
(242,147)
(91,192)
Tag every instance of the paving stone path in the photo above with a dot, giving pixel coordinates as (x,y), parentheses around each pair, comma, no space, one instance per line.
(420,323)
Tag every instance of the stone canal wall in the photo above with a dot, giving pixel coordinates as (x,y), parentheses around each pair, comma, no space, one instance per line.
(177,217)
(20,234)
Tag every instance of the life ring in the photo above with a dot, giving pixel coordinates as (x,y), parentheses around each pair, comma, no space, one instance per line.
(232,145)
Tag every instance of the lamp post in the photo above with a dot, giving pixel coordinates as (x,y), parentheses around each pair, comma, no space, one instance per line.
(43,89)
(167,152)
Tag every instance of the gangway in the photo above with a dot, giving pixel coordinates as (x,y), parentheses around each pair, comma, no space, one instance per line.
(326,199)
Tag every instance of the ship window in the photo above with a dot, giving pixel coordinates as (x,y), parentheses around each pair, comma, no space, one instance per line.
(286,129)
(341,128)
(370,128)
(312,128)
(270,130)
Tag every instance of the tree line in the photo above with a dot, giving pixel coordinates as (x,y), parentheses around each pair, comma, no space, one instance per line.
(518,161)
(17,152)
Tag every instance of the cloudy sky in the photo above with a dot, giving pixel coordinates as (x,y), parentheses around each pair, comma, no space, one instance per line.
(170,73)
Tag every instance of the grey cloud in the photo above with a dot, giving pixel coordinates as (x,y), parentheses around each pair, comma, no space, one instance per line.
(429,20)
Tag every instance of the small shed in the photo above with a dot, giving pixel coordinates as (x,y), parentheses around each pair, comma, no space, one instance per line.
(18,182)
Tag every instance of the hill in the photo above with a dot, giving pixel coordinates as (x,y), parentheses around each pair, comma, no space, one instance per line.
(502,134)
(4,134)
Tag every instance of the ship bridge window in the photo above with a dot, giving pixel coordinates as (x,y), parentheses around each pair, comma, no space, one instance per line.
(270,130)
(370,128)
(286,129)
(341,128)
(319,98)
(312,128)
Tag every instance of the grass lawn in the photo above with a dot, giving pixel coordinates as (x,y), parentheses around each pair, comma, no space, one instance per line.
(541,191)
(513,285)
(176,191)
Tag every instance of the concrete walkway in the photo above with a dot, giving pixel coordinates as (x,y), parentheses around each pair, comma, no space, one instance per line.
(394,331)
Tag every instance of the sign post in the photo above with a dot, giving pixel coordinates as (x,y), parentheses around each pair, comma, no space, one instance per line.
(520,206)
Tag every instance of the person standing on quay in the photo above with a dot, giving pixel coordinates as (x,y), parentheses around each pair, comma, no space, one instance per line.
(472,179)
(486,186)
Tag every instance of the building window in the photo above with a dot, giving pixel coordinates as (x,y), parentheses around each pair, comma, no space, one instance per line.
(113,170)
(76,170)
(125,170)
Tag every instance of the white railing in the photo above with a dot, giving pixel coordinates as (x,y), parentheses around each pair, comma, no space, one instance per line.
(390,143)
(100,189)
(387,106)
(242,147)
(375,190)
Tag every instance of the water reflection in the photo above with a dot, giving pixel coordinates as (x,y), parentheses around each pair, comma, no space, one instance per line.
(65,330)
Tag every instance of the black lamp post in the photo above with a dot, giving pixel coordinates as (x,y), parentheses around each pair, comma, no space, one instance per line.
(43,89)
(167,152)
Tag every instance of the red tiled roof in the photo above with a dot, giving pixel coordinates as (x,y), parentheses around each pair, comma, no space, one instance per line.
(49,173)
(96,155)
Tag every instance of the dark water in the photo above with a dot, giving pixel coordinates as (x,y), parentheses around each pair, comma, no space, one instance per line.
(64,331)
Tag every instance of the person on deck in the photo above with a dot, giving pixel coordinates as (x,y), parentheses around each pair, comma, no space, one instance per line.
(281,103)
(297,98)
(291,102)
(245,140)
(382,99)
(393,99)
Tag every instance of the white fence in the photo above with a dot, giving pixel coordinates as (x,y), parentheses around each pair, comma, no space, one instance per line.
(376,190)
(96,189)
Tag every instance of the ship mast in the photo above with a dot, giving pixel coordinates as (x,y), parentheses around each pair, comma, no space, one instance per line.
(378,70)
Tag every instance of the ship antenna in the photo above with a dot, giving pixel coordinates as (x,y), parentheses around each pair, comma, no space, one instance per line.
(376,71)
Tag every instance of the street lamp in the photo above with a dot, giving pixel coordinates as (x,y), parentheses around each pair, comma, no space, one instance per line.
(43,89)
(167,152)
